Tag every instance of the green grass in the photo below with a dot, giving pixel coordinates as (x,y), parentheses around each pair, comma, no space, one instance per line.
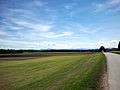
(117,52)
(71,72)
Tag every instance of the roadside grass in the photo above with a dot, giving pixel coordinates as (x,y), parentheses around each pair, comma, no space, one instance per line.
(117,52)
(71,72)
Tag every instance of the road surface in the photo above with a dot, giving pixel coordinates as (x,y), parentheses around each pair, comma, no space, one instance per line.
(113,66)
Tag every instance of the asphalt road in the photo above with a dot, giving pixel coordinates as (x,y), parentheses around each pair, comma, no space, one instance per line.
(113,66)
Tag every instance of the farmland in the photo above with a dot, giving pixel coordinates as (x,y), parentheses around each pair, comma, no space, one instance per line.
(56,71)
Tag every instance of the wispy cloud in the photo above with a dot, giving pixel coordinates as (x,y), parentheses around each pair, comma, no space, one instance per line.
(74,13)
(55,24)
(2,32)
(38,3)
(108,6)
(70,6)
(71,10)
(35,30)
(34,26)
(56,35)
(114,2)
(84,28)
(89,29)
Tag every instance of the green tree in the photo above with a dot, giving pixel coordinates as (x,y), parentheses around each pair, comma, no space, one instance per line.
(102,48)
(119,46)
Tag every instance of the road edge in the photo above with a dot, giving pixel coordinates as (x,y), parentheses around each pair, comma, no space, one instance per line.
(104,77)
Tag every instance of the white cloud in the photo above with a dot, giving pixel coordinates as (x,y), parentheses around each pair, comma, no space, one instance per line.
(18,44)
(109,44)
(56,44)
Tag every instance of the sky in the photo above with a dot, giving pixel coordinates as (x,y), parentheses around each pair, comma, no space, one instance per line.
(59,24)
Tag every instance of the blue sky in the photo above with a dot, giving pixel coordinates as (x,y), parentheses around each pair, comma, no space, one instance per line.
(59,24)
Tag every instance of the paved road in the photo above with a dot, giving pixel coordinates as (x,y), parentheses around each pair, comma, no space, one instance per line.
(113,63)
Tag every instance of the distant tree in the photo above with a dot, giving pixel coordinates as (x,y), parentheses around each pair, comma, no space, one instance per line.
(10,51)
(102,48)
(19,51)
(119,46)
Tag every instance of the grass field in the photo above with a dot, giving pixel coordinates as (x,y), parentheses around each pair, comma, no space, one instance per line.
(117,52)
(62,72)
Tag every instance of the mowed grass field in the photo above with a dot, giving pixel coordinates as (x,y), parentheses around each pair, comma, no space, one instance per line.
(62,72)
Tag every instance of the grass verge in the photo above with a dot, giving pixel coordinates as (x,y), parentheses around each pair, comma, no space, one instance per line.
(117,52)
